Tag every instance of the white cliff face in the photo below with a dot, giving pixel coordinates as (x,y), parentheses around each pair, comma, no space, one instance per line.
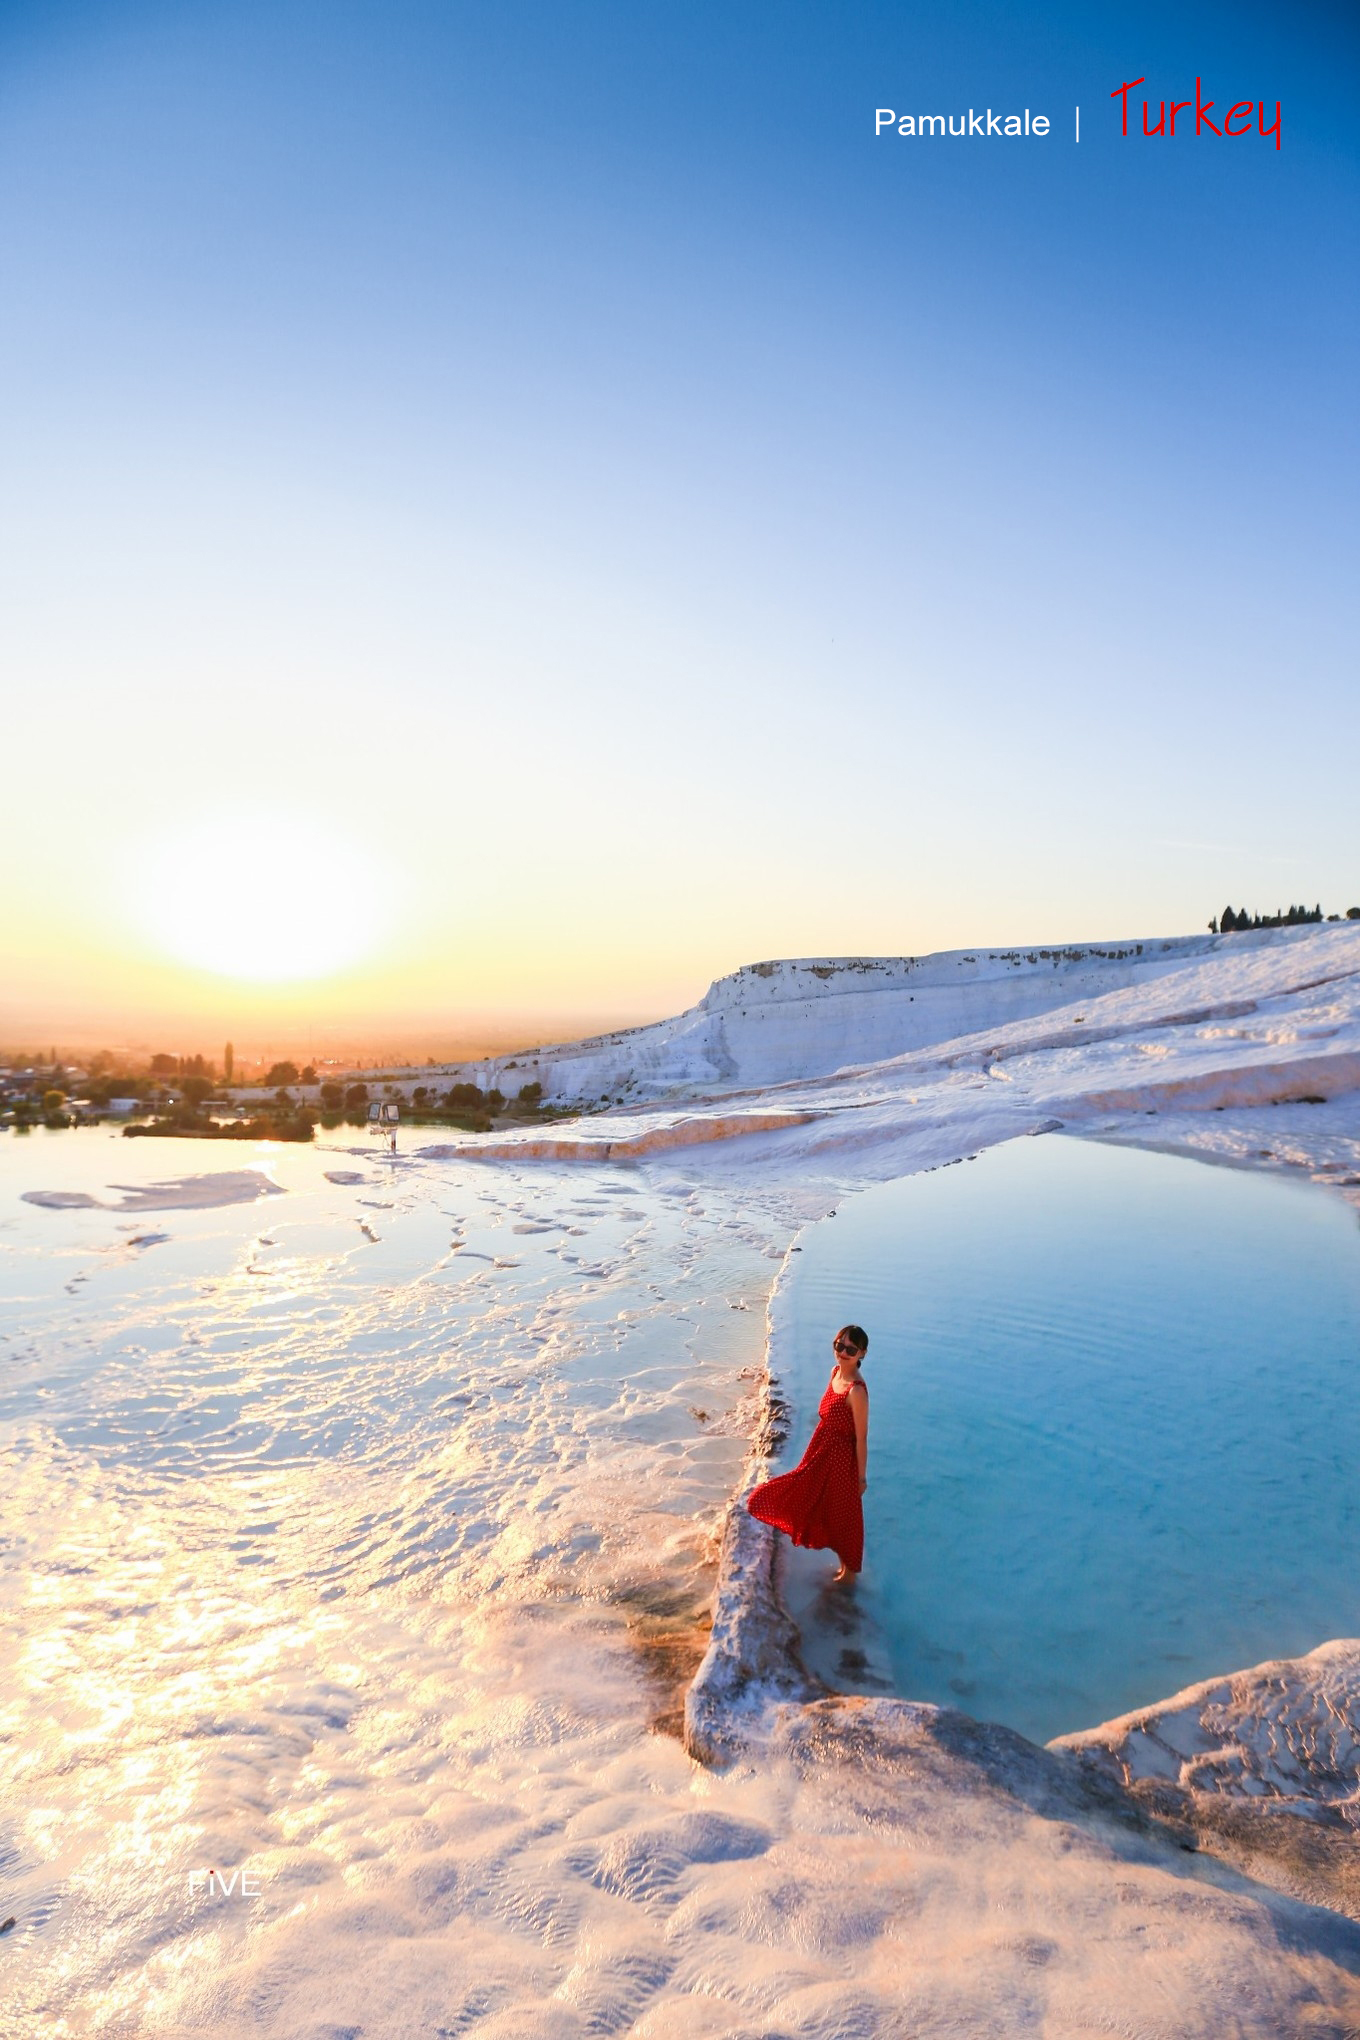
(780,1021)
(771,1023)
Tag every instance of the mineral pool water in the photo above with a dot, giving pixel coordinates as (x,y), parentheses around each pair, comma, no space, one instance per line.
(1115,1429)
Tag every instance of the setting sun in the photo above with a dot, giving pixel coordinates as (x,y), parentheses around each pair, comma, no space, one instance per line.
(259,897)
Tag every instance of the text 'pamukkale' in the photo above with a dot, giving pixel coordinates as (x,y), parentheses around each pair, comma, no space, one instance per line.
(971,123)
(1238,120)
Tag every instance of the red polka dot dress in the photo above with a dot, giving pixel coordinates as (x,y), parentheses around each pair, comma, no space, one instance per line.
(818,1503)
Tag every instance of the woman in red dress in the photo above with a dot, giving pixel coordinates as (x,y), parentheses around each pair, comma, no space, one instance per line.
(818,1504)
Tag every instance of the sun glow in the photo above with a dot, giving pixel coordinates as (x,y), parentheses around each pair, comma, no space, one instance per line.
(259,896)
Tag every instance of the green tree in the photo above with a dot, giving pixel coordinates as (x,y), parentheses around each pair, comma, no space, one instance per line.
(228,1063)
(281,1073)
(332,1096)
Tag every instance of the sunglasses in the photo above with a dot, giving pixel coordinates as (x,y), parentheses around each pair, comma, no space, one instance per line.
(843,1346)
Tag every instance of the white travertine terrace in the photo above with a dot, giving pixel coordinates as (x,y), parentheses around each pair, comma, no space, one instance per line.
(771,1022)
(448,1780)
(1230,1026)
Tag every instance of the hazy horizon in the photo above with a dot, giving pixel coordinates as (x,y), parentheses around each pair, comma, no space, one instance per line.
(497,1036)
(450,1038)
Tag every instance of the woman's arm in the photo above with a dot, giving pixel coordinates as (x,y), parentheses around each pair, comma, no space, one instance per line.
(859,1410)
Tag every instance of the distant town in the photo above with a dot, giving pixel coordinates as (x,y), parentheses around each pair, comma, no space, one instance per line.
(192,1096)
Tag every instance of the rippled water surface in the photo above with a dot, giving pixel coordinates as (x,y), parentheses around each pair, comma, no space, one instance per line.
(1115,1428)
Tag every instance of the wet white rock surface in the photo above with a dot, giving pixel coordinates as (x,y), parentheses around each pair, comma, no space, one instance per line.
(376,1569)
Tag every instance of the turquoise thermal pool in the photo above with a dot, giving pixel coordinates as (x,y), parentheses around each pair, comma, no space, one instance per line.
(1115,1438)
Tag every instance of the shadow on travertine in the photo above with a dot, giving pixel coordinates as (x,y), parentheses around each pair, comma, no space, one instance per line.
(933,1774)
(1260,1770)
(1263,1766)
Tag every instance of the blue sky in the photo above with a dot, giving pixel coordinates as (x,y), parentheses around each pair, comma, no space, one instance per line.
(564,453)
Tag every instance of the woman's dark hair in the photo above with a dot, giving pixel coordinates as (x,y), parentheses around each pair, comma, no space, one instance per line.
(857,1336)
